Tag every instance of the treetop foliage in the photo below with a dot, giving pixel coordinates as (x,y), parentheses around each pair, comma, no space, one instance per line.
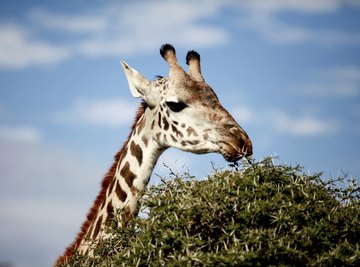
(260,215)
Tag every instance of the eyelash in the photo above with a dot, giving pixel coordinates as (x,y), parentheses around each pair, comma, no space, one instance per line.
(176,106)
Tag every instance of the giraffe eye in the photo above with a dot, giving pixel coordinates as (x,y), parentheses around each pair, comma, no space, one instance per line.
(176,106)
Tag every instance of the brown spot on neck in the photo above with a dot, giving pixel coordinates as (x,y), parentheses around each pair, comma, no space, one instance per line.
(121,194)
(136,151)
(128,175)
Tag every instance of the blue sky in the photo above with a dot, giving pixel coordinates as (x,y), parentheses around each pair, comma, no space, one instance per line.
(288,71)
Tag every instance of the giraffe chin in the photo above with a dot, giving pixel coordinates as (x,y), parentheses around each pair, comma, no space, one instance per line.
(232,159)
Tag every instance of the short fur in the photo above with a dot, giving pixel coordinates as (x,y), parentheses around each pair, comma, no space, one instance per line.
(100,198)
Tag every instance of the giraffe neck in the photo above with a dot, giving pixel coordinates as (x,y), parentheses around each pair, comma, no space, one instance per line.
(128,175)
(133,171)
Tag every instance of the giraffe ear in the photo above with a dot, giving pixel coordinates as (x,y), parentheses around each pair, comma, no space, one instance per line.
(139,86)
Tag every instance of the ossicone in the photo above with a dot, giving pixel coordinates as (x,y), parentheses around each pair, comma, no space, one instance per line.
(193,60)
(192,55)
(167,51)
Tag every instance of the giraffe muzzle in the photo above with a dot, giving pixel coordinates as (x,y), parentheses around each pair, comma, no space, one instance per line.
(236,147)
(233,154)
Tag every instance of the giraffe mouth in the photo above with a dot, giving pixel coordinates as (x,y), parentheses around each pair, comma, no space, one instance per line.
(231,158)
(232,153)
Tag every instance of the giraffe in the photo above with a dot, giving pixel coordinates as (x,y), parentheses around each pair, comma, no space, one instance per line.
(180,111)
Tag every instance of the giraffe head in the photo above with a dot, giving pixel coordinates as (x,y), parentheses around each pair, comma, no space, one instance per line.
(185,112)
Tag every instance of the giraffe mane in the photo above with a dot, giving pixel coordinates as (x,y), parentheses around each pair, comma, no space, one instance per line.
(100,197)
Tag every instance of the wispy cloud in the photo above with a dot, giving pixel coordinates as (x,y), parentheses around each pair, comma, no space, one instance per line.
(113,29)
(119,28)
(143,26)
(336,82)
(278,122)
(79,23)
(19,49)
(105,112)
(302,125)
(20,134)
(264,17)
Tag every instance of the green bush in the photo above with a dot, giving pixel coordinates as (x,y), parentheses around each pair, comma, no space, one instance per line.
(261,215)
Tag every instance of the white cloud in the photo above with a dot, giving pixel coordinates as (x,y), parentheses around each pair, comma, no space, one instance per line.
(341,82)
(274,30)
(18,49)
(263,17)
(137,27)
(22,134)
(143,27)
(302,126)
(114,29)
(108,113)
(308,6)
(70,23)
(278,122)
